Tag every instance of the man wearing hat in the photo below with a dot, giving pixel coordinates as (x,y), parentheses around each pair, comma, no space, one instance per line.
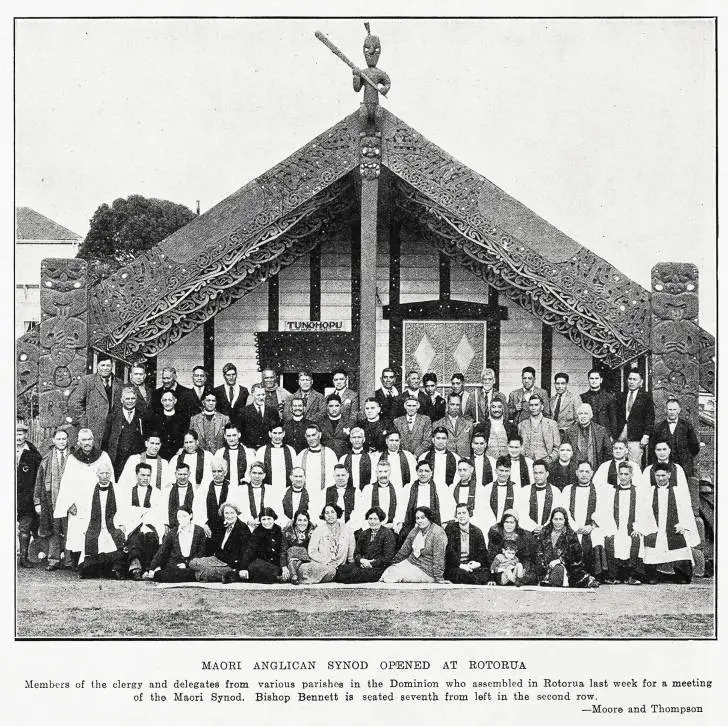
(27,461)
(47,486)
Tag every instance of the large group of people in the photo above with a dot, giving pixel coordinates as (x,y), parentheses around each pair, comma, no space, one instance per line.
(471,487)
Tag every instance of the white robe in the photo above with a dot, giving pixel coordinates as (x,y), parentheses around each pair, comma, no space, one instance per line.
(141,515)
(600,476)
(608,524)
(313,469)
(77,486)
(106,542)
(128,476)
(354,474)
(365,504)
(279,479)
(524,505)
(485,513)
(478,464)
(232,474)
(459,495)
(439,467)
(206,467)
(685,517)
(581,504)
(395,474)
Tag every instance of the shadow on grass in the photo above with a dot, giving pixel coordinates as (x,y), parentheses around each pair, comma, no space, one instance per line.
(208,623)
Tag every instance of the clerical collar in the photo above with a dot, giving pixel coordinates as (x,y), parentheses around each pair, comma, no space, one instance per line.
(441,451)
(149,456)
(296,418)
(386,484)
(296,491)
(314,451)
(182,486)
(338,418)
(373,420)
(621,486)
(218,483)
(503,484)
(464,483)
(168,413)
(588,484)
(356,452)
(103,487)
(662,486)
(233,448)
(425,484)
(540,486)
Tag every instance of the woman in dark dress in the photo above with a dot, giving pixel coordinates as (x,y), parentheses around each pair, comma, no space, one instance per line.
(375,549)
(294,549)
(181,544)
(559,555)
(262,559)
(511,552)
(228,547)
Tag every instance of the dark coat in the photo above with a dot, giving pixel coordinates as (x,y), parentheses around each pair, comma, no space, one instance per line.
(379,548)
(602,441)
(567,549)
(478,550)
(296,433)
(264,544)
(684,444)
(235,546)
(560,477)
(25,476)
(434,410)
(122,439)
(192,403)
(180,393)
(387,403)
(89,405)
(603,408)
(483,427)
(641,418)
(169,553)
(525,545)
(255,428)
(171,430)
(333,436)
(234,412)
(144,402)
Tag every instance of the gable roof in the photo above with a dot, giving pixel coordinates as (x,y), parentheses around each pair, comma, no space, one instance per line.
(32,225)
(454,208)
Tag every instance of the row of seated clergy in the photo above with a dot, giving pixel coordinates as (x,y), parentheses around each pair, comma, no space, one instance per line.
(487,501)
(651,523)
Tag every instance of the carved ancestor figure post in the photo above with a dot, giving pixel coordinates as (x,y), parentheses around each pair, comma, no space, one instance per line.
(374,80)
(369,111)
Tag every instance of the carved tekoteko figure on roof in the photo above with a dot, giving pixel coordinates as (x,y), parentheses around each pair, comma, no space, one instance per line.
(369,112)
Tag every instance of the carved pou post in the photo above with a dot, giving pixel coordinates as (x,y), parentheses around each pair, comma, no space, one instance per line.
(675,345)
(63,336)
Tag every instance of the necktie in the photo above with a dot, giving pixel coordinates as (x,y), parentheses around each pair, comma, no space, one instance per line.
(630,402)
(230,395)
(260,411)
(557,409)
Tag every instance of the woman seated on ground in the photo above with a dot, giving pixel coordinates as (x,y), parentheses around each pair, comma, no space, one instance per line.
(421,558)
(228,546)
(331,545)
(181,544)
(466,558)
(262,559)
(559,555)
(511,552)
(375,548)
(294,549)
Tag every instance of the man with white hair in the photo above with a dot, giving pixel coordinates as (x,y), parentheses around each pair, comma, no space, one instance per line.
(101,521)
(207,501)
(590,441)
(77,484)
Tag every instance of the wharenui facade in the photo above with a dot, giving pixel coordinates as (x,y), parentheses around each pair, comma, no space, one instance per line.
(370,247)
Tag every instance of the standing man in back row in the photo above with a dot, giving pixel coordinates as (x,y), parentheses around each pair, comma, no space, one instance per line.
(231,396)
(635,417)
(602,403)
(564,404)
(518,399)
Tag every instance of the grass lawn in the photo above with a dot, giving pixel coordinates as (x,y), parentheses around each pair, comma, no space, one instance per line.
(59,605)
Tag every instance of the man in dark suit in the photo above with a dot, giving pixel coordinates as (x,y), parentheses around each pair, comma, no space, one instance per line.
(257,418)
(680,435)
(602,403)
(635,417)
(192,402)
(295,424)
(334,427)
(138,381)
(170,423)
(435,404)
(684,446)
(123,435)
(589,441)
(27,463)
(91,400)
(169,383)
(231,396)
(387,395)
